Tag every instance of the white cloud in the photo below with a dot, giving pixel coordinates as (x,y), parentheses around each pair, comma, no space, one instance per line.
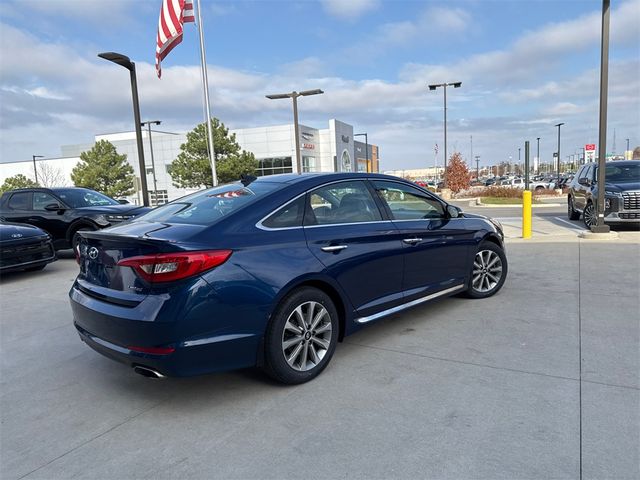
(349,9)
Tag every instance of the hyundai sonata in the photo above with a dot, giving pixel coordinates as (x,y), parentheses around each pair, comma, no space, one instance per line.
(274,272)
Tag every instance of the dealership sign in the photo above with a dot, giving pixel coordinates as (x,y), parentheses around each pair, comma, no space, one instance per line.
(590,152)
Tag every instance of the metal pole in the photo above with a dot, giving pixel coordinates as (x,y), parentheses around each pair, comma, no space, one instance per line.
(153,166)
(477,167)
(205,85)
(444,181)
(136,116)
(35,170)
(538,155)
(296,132)
(471,157)
(526,165)
(601,227)
(366,148)
(558,166)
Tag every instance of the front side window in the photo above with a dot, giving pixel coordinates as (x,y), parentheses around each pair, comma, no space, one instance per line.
(41,200)
(408,203)
(343,202)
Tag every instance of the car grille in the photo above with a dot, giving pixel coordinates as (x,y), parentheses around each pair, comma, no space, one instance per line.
(631,200)
(630,216)
(25,253)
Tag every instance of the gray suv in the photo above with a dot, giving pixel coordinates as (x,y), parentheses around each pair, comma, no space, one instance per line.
(621,190)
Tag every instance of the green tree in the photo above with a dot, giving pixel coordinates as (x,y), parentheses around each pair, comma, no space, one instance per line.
(104,170)
(458,175)
(17,181)
(192,169)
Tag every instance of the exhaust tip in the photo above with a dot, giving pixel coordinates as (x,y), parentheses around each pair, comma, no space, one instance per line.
(147,372)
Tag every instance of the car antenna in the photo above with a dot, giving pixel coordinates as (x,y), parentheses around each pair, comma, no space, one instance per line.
(247,179)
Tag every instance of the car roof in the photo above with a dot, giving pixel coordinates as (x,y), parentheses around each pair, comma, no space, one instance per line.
(291,178)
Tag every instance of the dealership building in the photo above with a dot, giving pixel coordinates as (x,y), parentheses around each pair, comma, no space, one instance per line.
(332,149)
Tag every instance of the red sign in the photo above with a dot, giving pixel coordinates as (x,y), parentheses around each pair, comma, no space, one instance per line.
(308,146)
(590,146)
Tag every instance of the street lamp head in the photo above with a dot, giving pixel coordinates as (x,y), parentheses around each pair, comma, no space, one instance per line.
(278,95)
(305,93)
(433,87)
(151,122)
(560,124)
(118,58)
(37,156)
(456,84)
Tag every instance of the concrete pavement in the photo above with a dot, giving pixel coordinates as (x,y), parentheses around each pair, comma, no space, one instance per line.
(515,386)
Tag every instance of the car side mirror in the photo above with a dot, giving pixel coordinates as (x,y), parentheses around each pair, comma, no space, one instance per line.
(584,181)
(53,207)
(123,201)
(453,211)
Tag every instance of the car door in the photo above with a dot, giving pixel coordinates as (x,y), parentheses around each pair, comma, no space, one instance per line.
(581,189)
(50,221)
(18,208)
(436,246)
(346,231)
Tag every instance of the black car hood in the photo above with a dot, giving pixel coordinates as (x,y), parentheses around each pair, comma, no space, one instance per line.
(16,231)
(622,186)
(115,210)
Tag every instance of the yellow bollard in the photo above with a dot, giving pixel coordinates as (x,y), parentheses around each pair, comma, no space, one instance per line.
(526,214)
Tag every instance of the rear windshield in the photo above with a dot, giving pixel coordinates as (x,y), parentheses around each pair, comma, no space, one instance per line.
(208,206)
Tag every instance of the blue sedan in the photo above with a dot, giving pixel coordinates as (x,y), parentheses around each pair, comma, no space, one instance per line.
(274,272)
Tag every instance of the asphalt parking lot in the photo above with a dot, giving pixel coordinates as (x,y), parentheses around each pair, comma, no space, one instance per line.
(540,381)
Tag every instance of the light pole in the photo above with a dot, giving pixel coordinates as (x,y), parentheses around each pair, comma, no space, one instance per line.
(559,125)
(153,164)
(294,96)
(35,170)
(125,62)
(538,154)
(477,167)
(366,146)
(444,86)
(519,148)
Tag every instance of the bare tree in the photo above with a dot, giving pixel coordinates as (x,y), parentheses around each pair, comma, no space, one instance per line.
(50,176)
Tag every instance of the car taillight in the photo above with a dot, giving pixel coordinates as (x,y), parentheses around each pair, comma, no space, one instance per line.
(169,267)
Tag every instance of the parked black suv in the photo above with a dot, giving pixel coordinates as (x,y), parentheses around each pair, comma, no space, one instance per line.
(621,190)
(62,212)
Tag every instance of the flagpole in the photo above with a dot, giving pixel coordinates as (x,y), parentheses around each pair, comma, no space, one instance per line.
(205,86)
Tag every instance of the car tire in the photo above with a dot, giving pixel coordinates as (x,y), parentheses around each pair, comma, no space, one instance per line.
(75,237)
(589,215)
(301,336)
(488,271)
(571,212)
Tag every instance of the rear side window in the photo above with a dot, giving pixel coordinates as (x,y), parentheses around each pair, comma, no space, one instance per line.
(343,202)
(19,201)
(208,206)
(290,215)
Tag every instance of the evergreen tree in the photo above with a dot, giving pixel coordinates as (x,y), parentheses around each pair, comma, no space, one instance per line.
(104,170)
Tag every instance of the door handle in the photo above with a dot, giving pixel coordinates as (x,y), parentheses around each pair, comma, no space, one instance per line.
(333,248)
(412,241)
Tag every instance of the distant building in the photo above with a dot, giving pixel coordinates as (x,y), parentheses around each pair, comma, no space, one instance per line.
(322,150)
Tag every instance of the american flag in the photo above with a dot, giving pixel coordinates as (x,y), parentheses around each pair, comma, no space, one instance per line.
(436,148)
(173,15)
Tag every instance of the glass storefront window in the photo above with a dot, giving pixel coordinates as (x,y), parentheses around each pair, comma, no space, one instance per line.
(274,166)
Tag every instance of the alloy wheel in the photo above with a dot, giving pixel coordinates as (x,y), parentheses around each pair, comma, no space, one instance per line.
(487,271)
(589,215)
(306,336)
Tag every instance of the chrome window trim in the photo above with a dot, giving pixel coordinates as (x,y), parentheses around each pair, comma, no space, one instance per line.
(346,224)
(412,303)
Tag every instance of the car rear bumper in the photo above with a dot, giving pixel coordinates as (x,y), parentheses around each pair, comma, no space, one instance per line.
(112,330)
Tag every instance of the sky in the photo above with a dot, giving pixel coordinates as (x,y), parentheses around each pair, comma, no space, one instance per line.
(524,66)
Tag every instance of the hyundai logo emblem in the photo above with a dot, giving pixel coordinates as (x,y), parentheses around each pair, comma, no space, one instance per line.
(93,253)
